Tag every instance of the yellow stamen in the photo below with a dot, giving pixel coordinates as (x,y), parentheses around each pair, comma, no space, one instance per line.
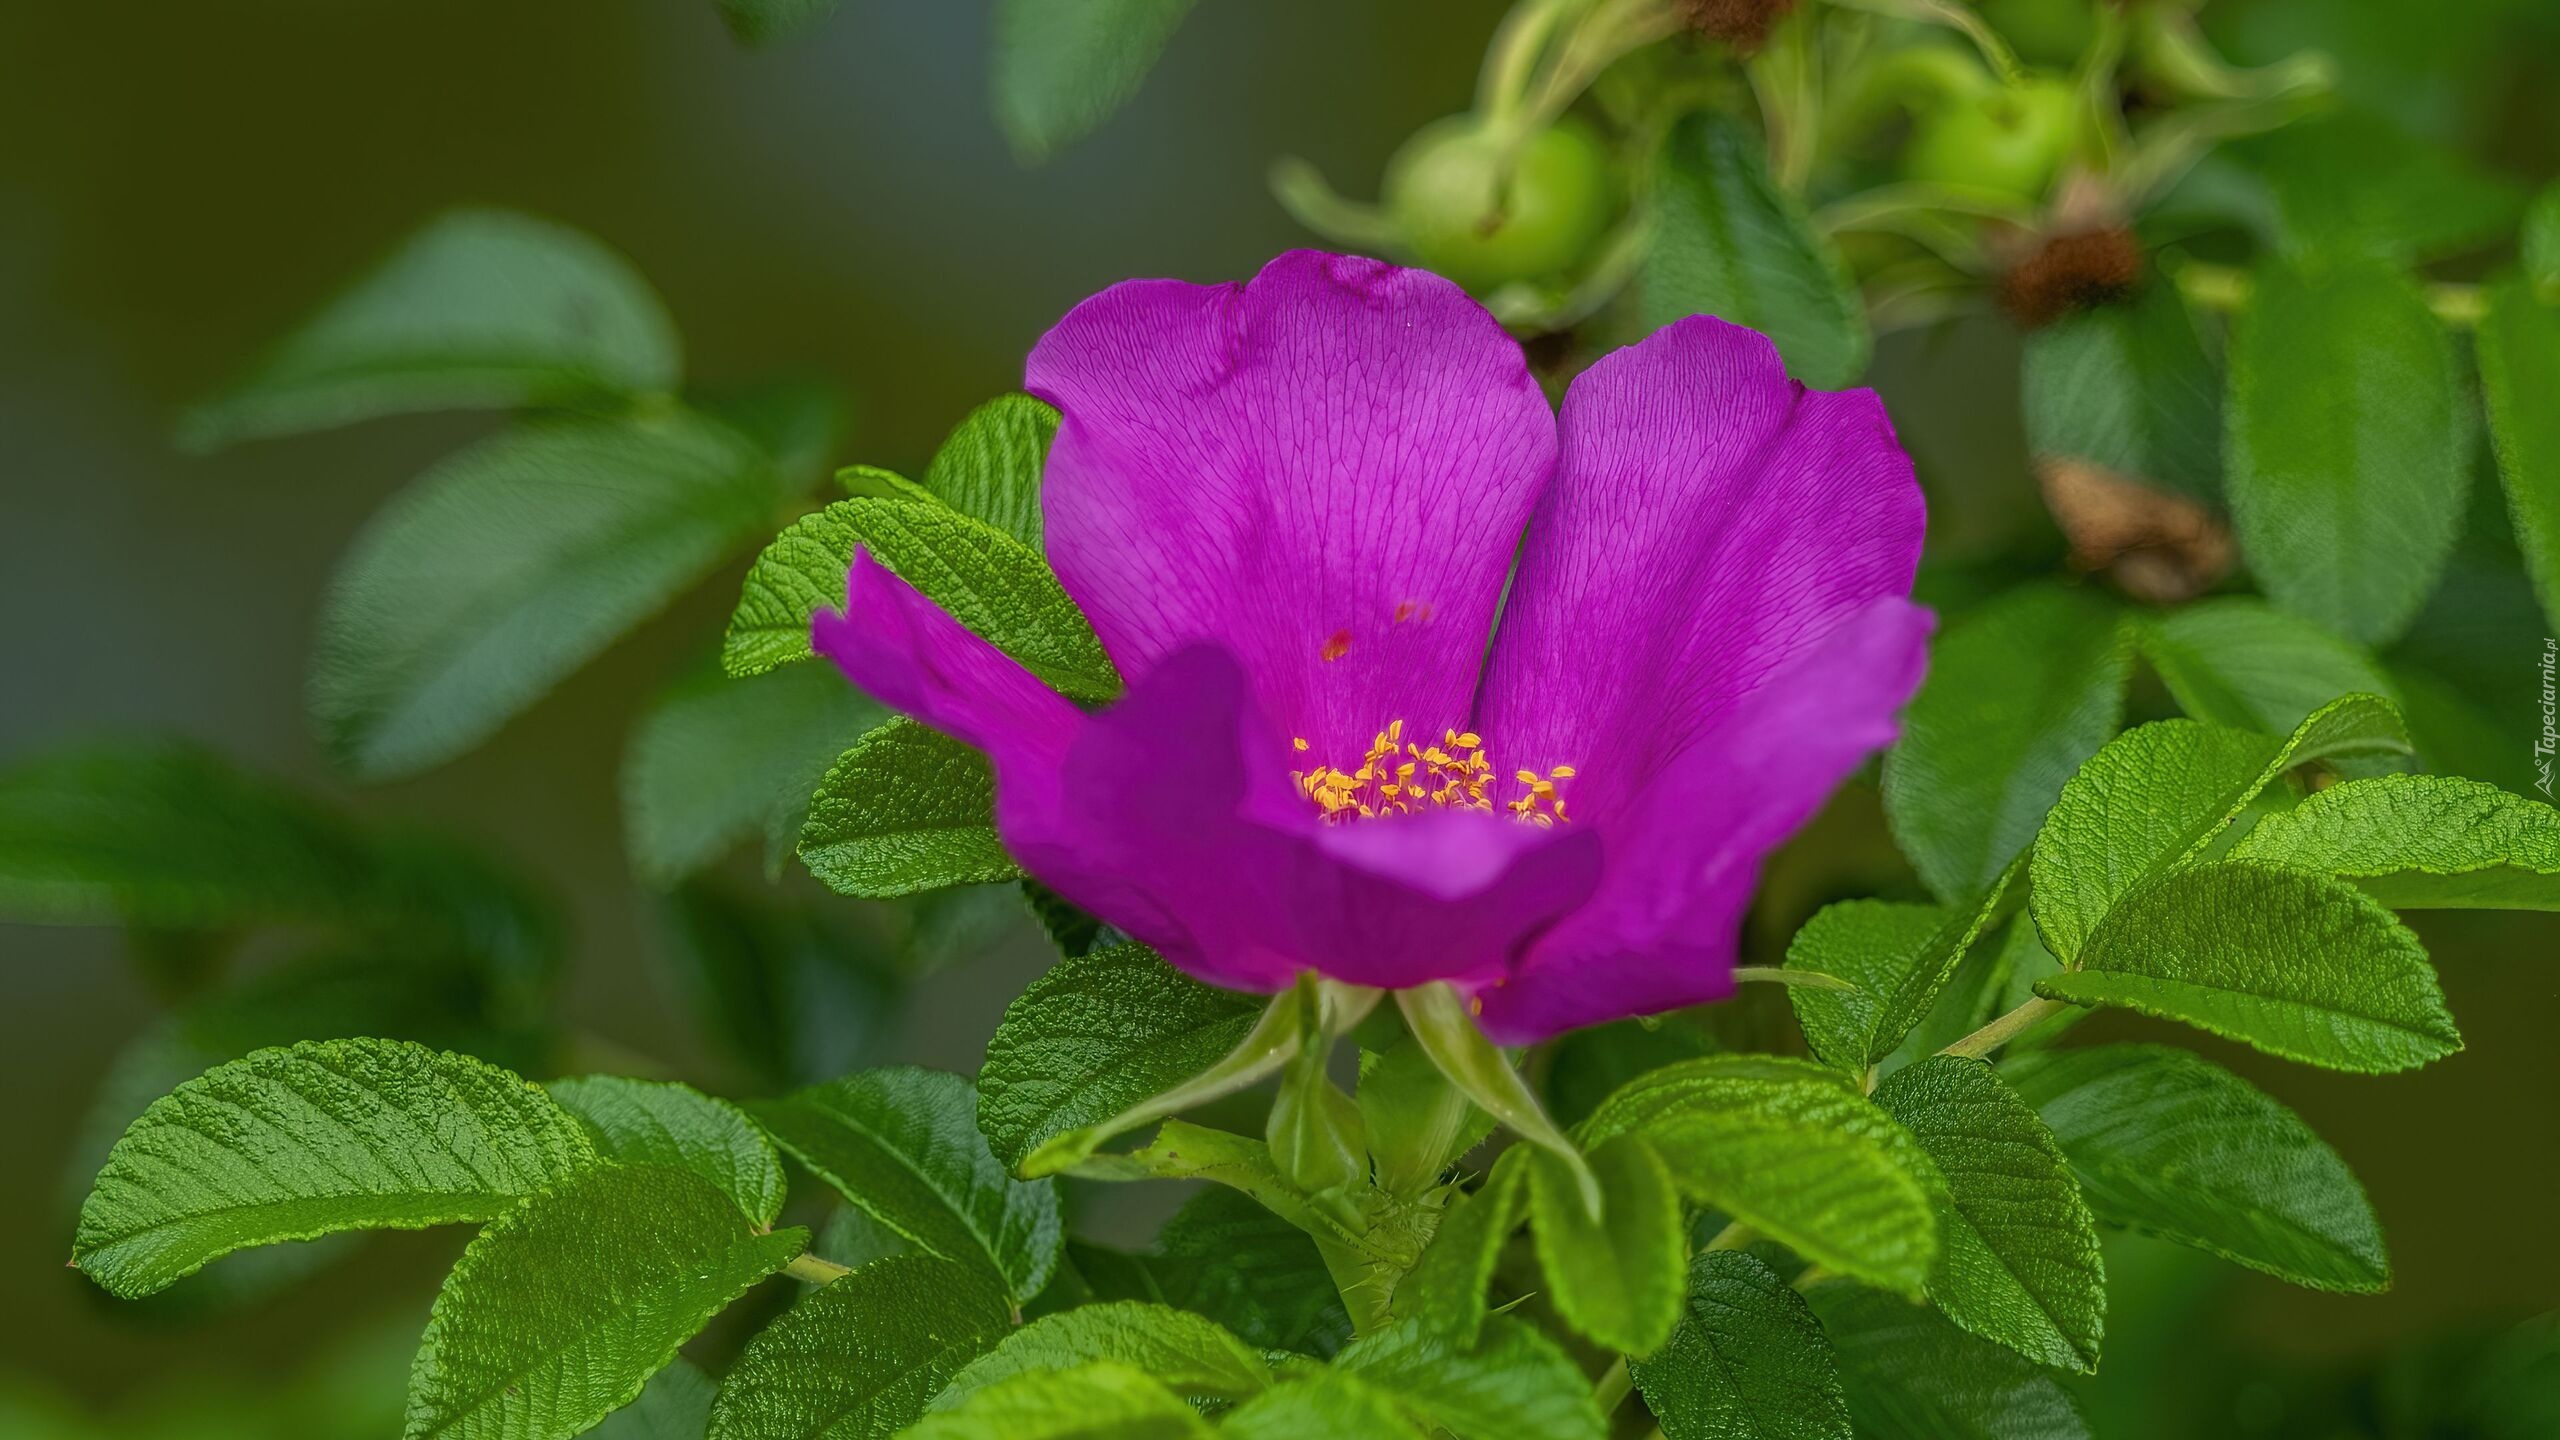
(1399,778)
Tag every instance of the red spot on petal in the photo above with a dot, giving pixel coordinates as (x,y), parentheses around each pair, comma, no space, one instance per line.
(1337,647)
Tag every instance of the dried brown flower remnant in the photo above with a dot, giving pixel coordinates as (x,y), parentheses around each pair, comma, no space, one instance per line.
(2078,270)
(2154,545)
(1742,24)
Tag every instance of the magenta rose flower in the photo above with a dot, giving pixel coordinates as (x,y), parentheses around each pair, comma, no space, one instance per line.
(1290,507)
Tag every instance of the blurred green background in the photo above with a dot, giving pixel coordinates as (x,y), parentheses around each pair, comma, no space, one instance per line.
(179,187)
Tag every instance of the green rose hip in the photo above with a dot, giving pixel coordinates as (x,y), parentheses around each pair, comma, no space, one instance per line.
(1458,214)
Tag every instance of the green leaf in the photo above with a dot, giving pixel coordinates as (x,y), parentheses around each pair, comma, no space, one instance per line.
(2241,662)
(513,563)
(563,1308)
(990,466)
(674,1405)
(2128,388)
(1728,242)
(1095,1038)
(1439,1023)
(660,1122)
(1515,1385)
(1101,1401)
(716,761)
(903,1145)
(992,583)
(2420,842)
(330,1135)
(2538,245)
(1445,1290)
(1898,957)
(2519,349)
(2357,183)
(1226,1257)
(2157,796)
(907,809)
(1912,1376)
(2018,695)
(1418,1123)
(2297,965)
(1615,1279)
(1793,1151)
(762,22)
(1059,71)
(1748,1362)
(2173,1145)
(1322,1405)
(481,309)
(2346,446)
(859,1358)
(1189,1355)
(2017,1250)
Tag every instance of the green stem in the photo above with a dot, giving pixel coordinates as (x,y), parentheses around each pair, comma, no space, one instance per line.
(1731,1237)
(1612,1388)
(815,1270)
(1957,17)
(2005,1029)
(1781,975)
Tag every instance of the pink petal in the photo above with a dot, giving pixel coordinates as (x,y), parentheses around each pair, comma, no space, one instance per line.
(1334,459)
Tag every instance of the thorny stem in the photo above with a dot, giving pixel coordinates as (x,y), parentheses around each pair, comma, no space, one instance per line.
(2005,1029)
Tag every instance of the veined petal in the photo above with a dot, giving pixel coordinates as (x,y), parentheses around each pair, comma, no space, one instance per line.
(1684,855)
(1324,471)
(1710,521)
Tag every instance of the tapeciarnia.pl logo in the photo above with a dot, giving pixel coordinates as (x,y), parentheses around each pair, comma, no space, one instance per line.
(2550,737)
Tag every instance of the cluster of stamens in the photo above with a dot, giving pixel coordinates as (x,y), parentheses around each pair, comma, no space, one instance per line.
(1403,777)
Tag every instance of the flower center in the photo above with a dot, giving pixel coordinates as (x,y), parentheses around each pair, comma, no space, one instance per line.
(1402,777)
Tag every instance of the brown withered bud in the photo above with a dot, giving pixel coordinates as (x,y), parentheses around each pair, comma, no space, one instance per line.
(1742,24)
(2077,270)
(2155,545)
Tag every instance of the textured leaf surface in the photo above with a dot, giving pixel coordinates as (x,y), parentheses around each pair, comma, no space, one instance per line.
(1898,956)
(990,582)
(659,1122)
(513,563)
(1793,1151)
(2297,965)
(858,1358)
(1184,1352)
(2417,842)
(2017,696)
(1095,1035)
(1061,70)
(990,465)
(1514,1385)
(1228,1258)
(482,308)
(2158,795)
(2243,663)
(330,1135)
(1729,242)
(563,1308)
(2519,348)
(761,22)
(906,809)
(674,1405)
(903,1145)
(2346,448)
(1912,1376)
(718,761)
(1615,1278)
(2127,387)
(1100,1401)
(2168,1143)
(2017,1250)
(1749,1361)
(1322,1405)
